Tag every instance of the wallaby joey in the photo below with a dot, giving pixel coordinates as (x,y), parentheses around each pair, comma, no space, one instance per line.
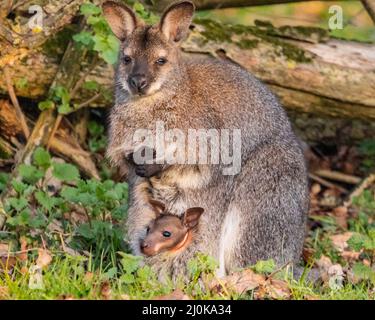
(170,233)
(253,185)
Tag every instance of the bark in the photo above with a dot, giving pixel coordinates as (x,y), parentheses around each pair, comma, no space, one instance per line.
(217,4)
(370,7)
(56,15)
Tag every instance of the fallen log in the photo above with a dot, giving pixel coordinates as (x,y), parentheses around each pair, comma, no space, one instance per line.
(309,71)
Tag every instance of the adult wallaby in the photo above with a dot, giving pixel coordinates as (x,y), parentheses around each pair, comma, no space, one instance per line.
(254,215)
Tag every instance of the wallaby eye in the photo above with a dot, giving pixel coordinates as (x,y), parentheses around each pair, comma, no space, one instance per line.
(167,234)
(148,229)
(127,59)
(161,61)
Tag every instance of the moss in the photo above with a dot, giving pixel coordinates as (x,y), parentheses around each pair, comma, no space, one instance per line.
(248,44)
(252,36)
(214,31)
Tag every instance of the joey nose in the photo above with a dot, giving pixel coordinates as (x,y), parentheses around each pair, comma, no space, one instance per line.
(144,245)
(138,82)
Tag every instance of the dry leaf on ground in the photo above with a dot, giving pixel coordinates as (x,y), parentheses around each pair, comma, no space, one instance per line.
(105,291)
(4,293)
(239,282)
(44,258)
(23,255)
(331,274)
(341,216)
(340,241)
(4,249)
(278,289)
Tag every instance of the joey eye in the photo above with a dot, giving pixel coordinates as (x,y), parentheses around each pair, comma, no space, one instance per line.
(148,229)
(127,59)
(161,61)
(166,234)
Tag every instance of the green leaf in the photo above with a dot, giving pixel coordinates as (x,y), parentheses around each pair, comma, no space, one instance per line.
(364,272)
(42,158)
(62,93)
(30,174)
(95,128)
(89,9)
(65,109)
(45,200)
(107,47)
(138,7)
(3,181)
(18,203)
(85,231)
(21,219)
(65,171)
(90,85)
(360,241)
(110,273)
(22,83)
(38,222)
(83,37)
(264,266)
(129,262)
(127,278)
(46,105)
(19,186)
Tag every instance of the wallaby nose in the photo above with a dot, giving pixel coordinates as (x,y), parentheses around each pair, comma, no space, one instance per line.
(144,245)
(138,82)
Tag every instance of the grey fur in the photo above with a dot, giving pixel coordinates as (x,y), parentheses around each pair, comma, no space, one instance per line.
(269,196)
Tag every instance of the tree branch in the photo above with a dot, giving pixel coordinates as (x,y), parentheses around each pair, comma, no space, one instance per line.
(370,7)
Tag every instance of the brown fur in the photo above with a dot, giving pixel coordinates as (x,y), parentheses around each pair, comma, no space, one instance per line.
(179,230)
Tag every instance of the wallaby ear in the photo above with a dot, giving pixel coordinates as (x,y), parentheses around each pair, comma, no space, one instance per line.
(191,217)
(158,206)
(176,20)
(120,18)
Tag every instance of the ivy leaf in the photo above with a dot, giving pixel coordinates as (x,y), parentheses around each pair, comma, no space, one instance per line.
(42,158)
(30,174)
(65,171)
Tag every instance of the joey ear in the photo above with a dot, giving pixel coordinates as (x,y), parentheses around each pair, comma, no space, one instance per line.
(158,206)
(176,20)
(191,217)
(120,18)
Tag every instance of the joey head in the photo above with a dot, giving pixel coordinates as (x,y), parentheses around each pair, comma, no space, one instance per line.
(170,233)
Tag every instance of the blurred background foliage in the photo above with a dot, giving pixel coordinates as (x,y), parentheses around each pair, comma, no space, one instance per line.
(357,23)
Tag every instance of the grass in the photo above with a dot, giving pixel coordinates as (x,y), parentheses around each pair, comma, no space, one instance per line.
(67,242)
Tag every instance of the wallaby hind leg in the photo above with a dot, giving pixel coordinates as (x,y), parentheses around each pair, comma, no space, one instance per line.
(270,203)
